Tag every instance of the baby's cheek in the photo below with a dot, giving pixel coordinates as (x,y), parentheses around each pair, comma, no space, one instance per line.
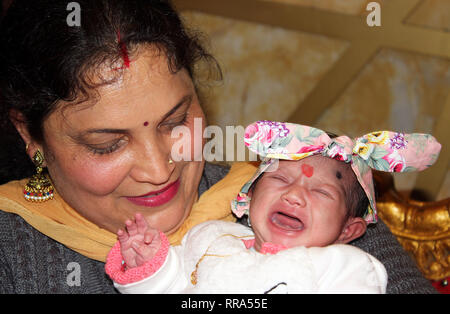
(325,221)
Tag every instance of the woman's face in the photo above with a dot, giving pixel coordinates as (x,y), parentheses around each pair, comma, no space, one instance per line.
(110,159)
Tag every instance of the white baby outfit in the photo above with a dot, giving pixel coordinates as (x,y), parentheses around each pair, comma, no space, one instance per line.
(217,252)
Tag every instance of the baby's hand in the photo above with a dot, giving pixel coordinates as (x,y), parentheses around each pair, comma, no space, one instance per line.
(139,243)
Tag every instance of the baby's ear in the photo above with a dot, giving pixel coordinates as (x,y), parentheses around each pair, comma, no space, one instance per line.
(353,229)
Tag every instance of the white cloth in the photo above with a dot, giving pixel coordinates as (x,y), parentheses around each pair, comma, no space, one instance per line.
(229,267)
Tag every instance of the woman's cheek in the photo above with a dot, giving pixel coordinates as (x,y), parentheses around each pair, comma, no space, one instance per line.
(100,177)
(197,142)
(197,125)
(187,141)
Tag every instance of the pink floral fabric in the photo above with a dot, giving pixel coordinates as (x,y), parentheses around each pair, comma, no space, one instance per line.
(382,150)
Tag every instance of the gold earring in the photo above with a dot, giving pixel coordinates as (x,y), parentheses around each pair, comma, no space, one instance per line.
(170,161)
(39,188)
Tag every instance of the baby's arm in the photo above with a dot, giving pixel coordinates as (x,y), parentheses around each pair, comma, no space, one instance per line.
(142,261)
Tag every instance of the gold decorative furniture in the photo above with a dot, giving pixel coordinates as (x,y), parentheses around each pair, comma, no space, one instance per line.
(423,228)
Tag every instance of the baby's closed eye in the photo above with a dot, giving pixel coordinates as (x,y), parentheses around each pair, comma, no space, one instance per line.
(280,178)
(323,192)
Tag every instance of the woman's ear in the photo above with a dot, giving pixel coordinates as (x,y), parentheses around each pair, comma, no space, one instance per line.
(353,229)
(19,122)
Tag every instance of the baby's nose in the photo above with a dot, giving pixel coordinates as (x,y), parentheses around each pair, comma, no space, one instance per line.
(295,196)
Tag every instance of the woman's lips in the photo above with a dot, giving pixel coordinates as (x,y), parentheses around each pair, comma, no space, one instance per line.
(286,222)
(157,198)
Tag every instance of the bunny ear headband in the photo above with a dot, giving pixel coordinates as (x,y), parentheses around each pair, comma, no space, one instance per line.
(384,150)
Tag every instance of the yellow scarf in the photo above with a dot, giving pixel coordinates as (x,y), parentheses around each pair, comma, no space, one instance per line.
(57,220)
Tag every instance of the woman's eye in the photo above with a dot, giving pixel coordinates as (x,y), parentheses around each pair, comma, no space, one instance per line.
(172,123)
(105,148)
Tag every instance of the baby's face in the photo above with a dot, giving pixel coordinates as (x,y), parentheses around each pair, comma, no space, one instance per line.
(301,203)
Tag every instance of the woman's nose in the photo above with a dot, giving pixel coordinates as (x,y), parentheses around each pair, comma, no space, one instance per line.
(295,196)
(153,164)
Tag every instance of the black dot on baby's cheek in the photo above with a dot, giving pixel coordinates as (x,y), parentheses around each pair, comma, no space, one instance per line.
(145,123)
(338,175)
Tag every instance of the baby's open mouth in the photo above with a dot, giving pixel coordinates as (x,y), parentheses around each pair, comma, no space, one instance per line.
(287,222)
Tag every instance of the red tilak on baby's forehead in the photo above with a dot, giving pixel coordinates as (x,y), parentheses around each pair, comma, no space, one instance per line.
(307,170)
(145,123)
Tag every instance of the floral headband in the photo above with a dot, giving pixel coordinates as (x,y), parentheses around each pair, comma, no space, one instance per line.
(384,150)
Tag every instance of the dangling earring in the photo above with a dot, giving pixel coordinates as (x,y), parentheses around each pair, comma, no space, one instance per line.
(39,188)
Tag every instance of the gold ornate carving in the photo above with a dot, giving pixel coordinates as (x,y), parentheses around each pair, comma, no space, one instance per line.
(422,228)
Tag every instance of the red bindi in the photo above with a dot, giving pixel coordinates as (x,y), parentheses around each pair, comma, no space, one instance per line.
(145,123)
(307,170)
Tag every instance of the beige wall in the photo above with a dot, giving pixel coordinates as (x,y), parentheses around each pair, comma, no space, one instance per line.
(269,71)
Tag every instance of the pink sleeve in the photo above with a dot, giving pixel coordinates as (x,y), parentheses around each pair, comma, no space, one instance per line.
(115,269)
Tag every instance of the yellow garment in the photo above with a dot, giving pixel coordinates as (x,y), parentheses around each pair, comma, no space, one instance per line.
(57,220)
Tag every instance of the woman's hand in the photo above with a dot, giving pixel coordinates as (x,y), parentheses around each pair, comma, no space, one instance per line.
(139,243)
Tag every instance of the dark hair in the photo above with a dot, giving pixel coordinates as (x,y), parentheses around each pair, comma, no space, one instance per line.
(44,60)
(356,199)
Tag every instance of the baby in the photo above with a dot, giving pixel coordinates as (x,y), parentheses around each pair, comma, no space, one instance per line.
(310,196)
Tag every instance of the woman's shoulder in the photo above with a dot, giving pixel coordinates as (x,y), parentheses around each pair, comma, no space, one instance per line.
(403,274)
(10,225)
(31,262)
(212,173)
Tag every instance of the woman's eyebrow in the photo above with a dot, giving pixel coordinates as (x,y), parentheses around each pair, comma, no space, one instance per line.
(185,99)
(82,137)
(115,131)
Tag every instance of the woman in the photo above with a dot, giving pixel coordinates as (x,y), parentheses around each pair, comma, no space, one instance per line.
(95,105)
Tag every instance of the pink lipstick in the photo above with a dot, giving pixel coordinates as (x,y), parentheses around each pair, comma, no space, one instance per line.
(156,198)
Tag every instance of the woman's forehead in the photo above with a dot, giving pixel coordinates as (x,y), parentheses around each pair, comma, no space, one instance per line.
(148,87)
(148,78)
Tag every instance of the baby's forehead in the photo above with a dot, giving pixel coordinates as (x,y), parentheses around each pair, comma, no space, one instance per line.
(320,166)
